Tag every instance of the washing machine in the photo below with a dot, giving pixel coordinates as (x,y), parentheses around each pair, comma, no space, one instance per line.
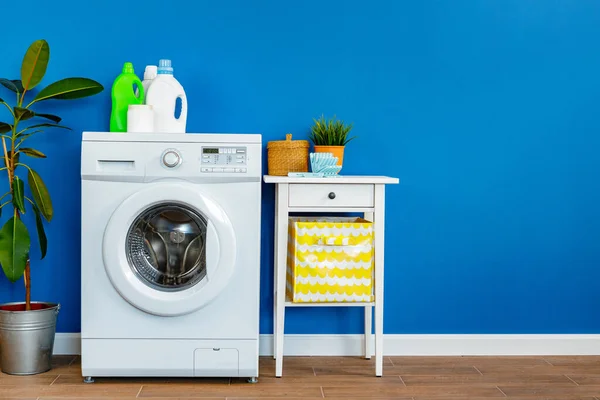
(170,254)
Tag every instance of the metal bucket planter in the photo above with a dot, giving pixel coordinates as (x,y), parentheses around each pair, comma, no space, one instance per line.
(27,337)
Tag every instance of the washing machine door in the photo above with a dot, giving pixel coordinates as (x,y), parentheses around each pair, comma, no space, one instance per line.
(169,249)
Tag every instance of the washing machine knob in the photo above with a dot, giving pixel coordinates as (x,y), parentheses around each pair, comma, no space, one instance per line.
(171,158)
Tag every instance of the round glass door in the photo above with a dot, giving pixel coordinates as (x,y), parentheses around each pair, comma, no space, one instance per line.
(166,247)
(169,249)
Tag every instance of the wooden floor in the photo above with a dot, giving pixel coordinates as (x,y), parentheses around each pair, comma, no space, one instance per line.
(307,378)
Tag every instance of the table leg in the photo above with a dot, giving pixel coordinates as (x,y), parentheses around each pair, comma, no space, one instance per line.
(281,216)
(368,331)
(275,247)
(368,337)
(379,225)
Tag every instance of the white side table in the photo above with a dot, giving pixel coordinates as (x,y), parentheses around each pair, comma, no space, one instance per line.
(363,194)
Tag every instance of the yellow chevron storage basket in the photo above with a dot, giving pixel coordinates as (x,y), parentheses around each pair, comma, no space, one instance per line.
(330,260)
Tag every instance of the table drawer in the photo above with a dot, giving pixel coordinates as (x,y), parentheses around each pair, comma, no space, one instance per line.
(331,195)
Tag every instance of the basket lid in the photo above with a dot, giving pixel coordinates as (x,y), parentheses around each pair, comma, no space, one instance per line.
(288,143)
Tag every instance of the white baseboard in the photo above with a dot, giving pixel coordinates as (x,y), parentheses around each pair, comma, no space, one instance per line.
(67,343)
(409,345)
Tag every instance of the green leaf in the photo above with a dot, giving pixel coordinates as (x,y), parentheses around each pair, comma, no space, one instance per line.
(5,128)
(14,85)
(18,197)
(32,152)
(14,248)
(332,132)
(35,63)
(23,137)
(44,125)
(23,114)
(51,117)
(40,194)
(69,89)
(40,231)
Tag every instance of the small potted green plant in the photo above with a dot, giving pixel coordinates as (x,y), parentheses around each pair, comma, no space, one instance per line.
(330,136)
(27,329)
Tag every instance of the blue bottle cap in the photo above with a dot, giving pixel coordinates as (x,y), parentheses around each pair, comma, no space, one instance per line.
(164,67)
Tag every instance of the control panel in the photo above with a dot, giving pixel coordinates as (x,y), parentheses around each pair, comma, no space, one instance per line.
(224,159)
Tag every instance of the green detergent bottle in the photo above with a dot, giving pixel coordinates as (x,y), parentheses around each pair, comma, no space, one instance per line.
(123,94)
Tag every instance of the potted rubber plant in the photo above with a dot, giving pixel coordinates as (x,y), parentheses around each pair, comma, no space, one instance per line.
(27,329)
(330,136)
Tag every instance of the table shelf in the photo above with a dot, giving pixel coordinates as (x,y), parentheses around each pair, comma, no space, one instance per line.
(354,304)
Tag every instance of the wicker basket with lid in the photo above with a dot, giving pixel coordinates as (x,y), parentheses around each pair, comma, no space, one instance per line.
(287,156)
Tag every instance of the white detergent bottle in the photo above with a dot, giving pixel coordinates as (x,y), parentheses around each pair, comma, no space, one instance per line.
(149,74)
(162,96)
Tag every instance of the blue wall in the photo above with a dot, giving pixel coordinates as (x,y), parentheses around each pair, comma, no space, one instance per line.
(488,112)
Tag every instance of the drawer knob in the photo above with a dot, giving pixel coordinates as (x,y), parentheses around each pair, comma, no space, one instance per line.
(332,195)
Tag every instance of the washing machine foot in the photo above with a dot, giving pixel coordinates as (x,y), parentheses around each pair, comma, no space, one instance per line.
(88,379)
(253,380)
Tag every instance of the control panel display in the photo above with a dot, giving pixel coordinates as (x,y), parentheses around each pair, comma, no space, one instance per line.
(224,159)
